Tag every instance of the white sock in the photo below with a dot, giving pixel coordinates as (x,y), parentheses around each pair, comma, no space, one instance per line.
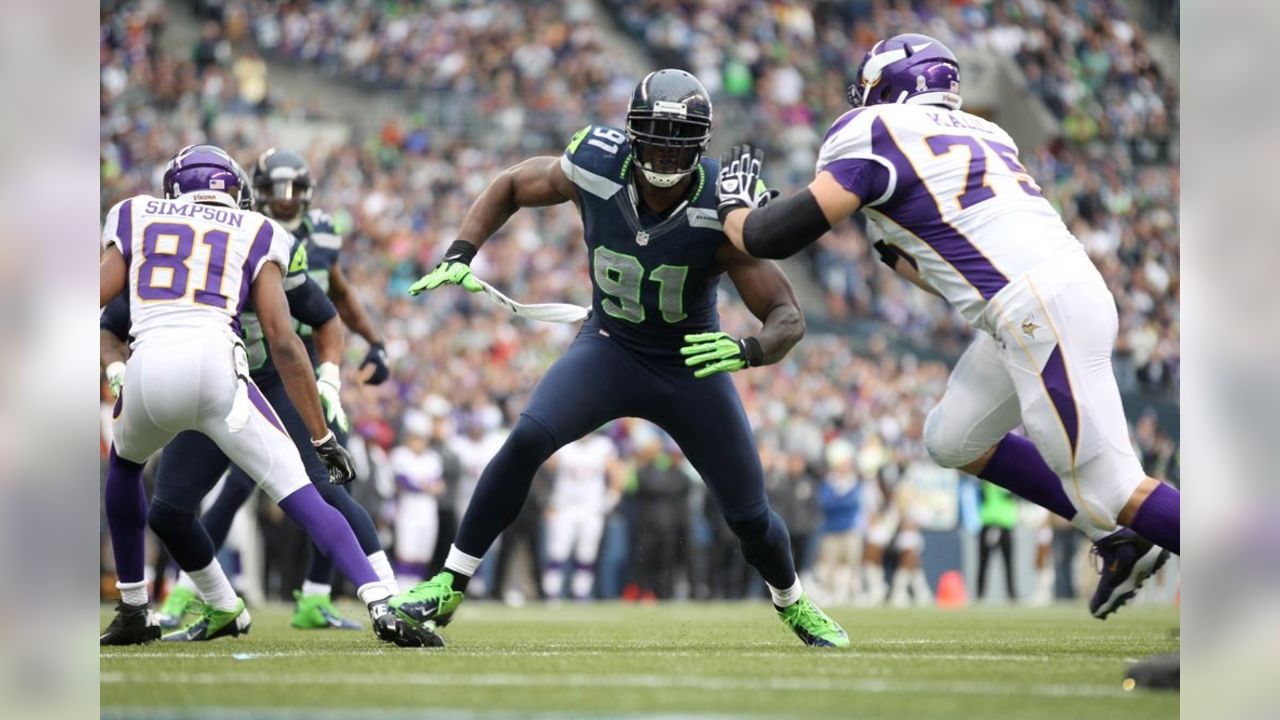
(372,592)
(787,597)
(315,588)
(184,581)
(134,593)
(214,587)
(1094,532)
(460,562)
(382,566)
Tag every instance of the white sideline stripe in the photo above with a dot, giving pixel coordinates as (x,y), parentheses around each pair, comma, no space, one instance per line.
(692,682)
(853,656)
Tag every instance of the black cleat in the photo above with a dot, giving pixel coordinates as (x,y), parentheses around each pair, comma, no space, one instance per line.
(392,629)
(132,625)
(1128,560)
(1158,672)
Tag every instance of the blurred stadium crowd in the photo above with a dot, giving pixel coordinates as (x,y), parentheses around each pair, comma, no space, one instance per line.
(839,429)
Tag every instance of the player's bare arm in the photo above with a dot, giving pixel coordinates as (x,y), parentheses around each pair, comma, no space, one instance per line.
(350,309)
(769,295)
(287,350)
(536,182)
(113,275)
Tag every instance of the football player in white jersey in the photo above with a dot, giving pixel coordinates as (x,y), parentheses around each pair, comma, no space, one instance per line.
(587,485)
(191,262)
(951,208)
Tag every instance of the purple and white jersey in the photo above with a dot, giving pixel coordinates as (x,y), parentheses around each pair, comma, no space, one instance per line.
(581,467)
(946,187)
(190,264)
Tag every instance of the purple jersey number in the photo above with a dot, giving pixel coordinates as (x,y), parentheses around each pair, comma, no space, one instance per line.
(164,274)
(976,189)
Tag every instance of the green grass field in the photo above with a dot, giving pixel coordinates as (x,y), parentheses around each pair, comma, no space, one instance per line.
(691,660)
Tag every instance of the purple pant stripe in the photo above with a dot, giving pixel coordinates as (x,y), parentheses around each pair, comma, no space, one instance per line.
(264,407)
(916,210)
(1058,384)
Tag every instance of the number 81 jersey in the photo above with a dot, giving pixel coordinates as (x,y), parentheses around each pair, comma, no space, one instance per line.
(947,187)
(190,265)
(654,275)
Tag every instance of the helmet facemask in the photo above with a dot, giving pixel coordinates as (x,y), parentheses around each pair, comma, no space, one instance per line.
(285,197)
(667,146)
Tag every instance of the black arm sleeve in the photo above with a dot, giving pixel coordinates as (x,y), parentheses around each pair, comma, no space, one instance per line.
(784,227)
(309,305)
(115,317)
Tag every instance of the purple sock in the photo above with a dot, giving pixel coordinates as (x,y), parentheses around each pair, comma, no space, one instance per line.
(1018,467)
(1159,517)
(330,532)
(126,502)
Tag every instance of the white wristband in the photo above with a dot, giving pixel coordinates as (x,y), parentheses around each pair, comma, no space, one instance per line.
(114,370)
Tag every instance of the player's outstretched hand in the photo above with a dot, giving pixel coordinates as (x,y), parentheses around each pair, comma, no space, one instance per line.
(336,458)
(739,184)
(716,352)
(447,273)
(374,368)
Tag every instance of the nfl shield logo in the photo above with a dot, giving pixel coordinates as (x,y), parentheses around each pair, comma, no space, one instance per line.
(642,238)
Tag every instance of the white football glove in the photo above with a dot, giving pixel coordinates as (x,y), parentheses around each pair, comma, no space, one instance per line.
(329,385)
(115,377)
(739,184)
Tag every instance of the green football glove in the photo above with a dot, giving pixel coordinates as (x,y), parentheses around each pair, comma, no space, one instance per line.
(329,385)
(454,269)
(717,352)
(115,377)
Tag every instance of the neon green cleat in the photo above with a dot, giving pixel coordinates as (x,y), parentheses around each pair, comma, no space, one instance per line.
(316,612)
(213,624)
(812,625)
(432,601)
(181,600)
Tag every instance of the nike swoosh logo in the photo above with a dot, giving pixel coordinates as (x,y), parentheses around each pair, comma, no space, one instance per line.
(918,48)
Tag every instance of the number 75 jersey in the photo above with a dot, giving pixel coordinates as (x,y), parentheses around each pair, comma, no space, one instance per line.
(190,265)
(947,187)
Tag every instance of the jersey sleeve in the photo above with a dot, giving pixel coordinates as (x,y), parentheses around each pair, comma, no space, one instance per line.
(323,232)
(115,317)
(117,229)
(276,245)
(308,303)
(848,154)
(595,160)
(296,275)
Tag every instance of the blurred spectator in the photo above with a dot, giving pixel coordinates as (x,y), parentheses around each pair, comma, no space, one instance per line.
(661,526)
(420,480)
(839,542)
(587,484)
(999,513)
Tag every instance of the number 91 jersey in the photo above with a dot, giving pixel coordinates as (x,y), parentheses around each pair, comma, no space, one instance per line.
(947,187)
(190,265)
(654,275)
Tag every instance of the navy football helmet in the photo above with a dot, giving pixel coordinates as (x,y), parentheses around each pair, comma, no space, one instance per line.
(282,186)
(207,173)
(669,125)
(909,68)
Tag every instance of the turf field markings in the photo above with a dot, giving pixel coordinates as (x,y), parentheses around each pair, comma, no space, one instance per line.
(688,682)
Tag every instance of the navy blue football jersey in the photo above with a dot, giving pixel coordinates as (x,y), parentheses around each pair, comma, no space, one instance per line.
(654,276)
(319,245)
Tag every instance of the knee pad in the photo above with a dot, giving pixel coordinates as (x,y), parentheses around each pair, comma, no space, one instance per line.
(530,440)
(168,521)
(946,442)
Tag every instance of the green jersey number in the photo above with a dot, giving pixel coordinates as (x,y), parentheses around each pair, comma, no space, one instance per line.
(619,275)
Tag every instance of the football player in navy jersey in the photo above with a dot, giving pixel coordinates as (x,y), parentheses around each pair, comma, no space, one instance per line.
(652,346)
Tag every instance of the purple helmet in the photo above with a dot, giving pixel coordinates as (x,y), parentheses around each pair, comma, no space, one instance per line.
(908,68)
(208,172)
